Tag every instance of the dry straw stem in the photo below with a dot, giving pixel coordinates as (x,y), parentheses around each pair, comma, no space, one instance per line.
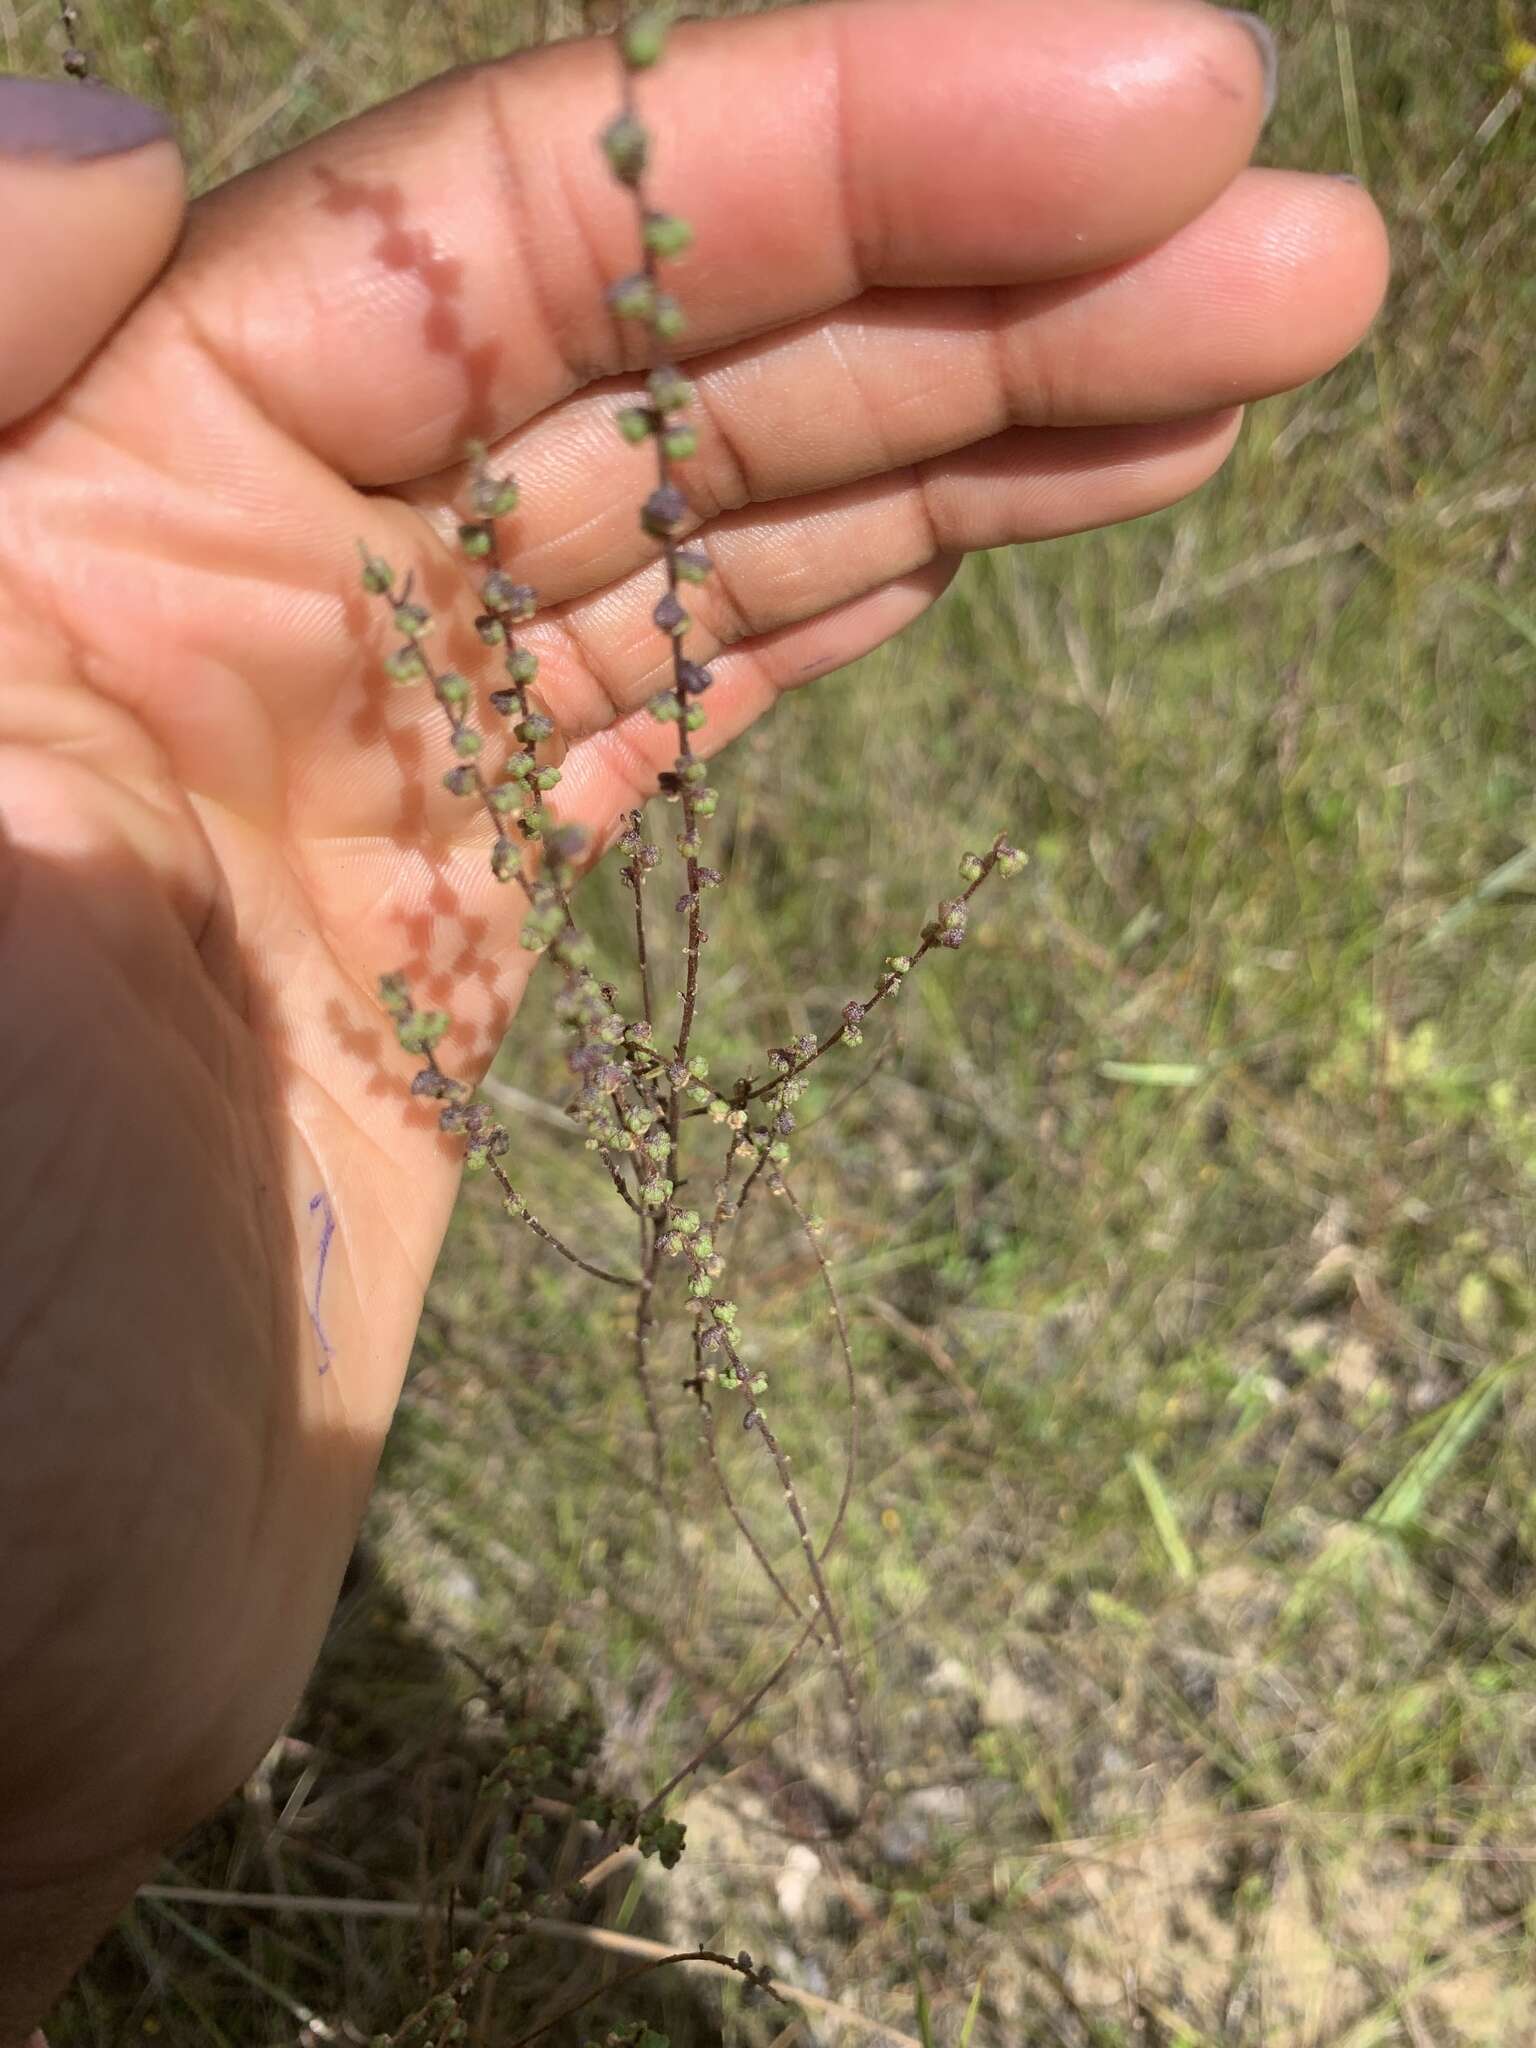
(655,1954)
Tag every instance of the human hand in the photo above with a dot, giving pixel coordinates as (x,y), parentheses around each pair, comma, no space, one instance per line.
(966,273)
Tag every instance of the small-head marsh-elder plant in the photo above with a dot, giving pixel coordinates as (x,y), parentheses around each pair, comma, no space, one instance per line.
(682,1152)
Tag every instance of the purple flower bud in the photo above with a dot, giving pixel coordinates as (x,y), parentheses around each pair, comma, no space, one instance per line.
(509,599)
(669,389)
(670,615)
(694,677)
(493,497)
(665,512)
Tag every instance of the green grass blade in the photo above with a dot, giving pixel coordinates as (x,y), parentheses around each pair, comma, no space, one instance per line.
(1403,1501)
(1164,1515)
(968,2026)
(1154,1073)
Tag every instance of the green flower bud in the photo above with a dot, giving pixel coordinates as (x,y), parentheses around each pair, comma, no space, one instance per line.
(1011,862)
(460,782)
(545,778)
(475,539)
(491,630)
(692,564)
(422,1030)
(505,797)
(971,869)
(493,497)
(643,39)
(506,861)
(636,424)
(693,717)
(452,687)
(467,742)
(627,147)
(378,577)
(706,803)
(405,665)
(667,320)
(665,235)
(663,708)
(412,620)
(632,298)
(680,443)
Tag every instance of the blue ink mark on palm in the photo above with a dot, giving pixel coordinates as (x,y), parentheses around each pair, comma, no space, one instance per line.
(327,1232)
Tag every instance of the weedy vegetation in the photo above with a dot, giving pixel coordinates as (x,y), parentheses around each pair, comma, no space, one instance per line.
(1172,1677)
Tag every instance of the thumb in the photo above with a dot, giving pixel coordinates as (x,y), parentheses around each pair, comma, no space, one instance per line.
(91,199)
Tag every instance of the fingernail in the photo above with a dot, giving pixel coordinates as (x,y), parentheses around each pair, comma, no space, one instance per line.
(73,122)
(1269,52)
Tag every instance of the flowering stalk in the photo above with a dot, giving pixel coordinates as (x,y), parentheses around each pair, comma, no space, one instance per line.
(639,1085)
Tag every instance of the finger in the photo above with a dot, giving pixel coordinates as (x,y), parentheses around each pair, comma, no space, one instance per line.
(91,195)
(435,269)
(790,565)
(617,767)
(793,578)
(1269,287)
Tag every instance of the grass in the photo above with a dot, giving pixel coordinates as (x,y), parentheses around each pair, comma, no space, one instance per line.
(1186,1224)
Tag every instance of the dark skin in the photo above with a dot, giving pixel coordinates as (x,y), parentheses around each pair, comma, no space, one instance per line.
(968,272)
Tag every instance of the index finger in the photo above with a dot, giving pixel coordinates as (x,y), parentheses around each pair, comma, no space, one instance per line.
(435,269)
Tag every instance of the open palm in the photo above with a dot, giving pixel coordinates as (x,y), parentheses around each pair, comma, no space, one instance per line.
(966,273)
